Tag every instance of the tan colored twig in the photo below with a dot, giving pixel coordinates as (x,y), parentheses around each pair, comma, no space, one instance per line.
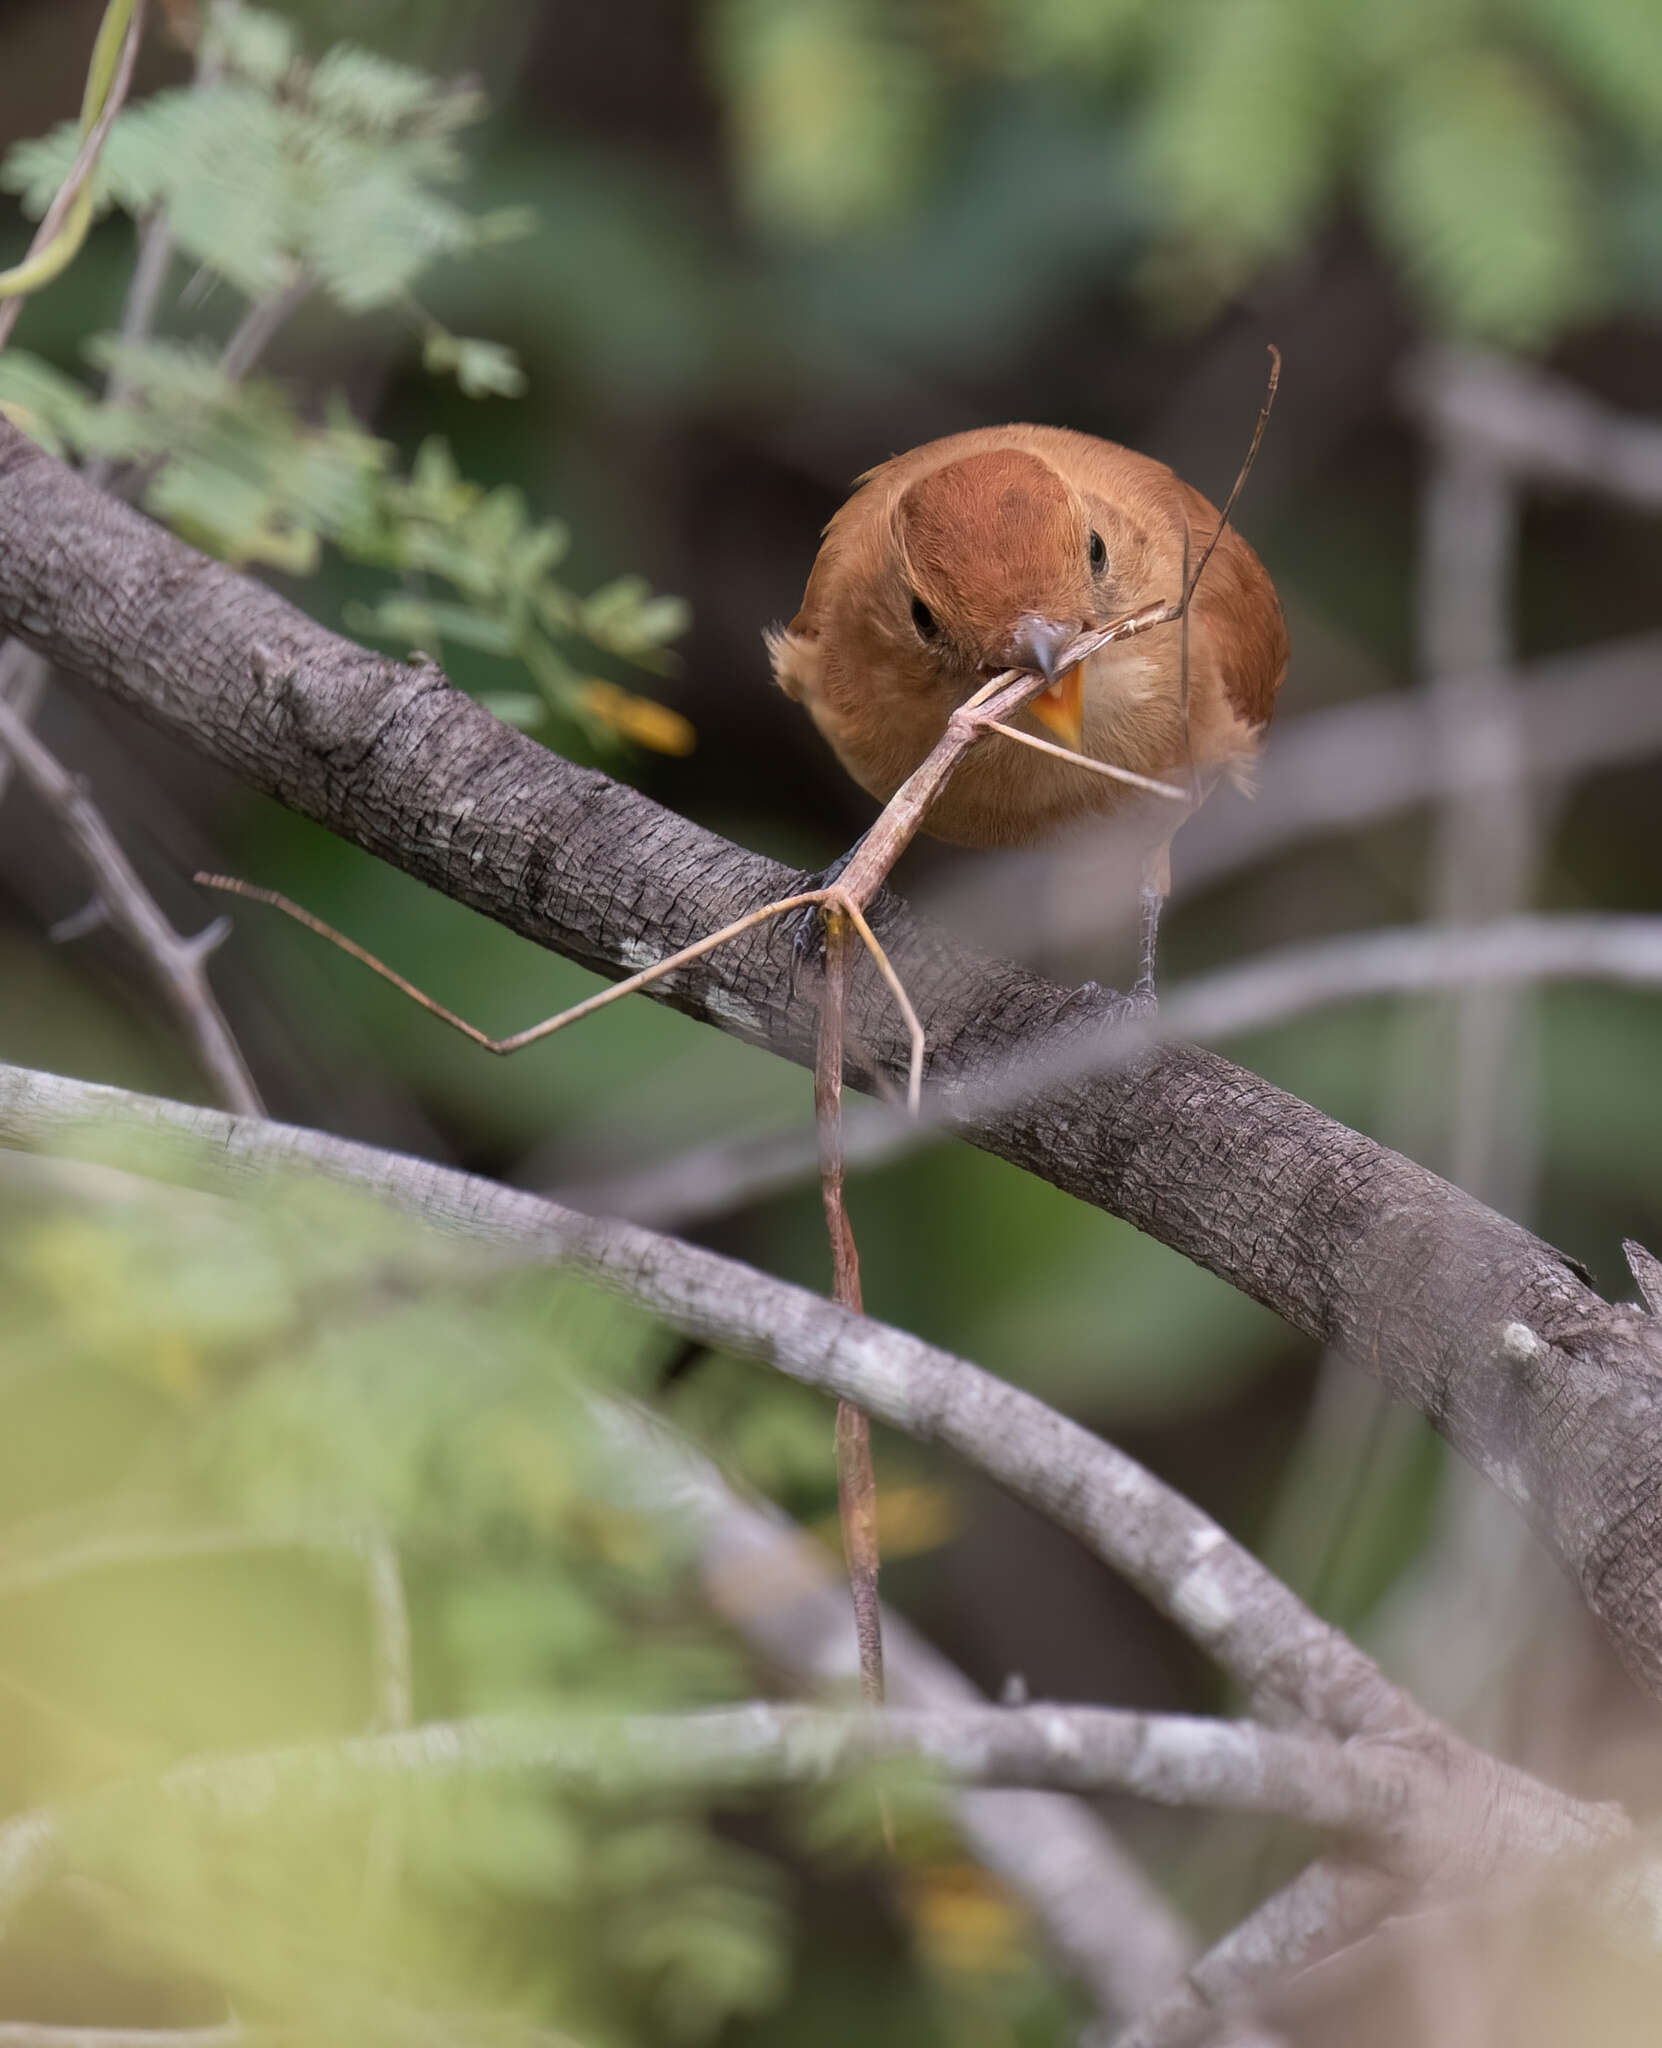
(856,1475)
(1108,768)
(835,897)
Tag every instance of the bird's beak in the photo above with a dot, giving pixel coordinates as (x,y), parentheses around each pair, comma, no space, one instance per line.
(1062,707)
(1038,645)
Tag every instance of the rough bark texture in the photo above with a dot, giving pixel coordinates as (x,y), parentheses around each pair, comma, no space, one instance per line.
(1546,1388)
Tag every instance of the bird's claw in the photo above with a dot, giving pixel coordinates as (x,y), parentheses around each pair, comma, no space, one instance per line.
(807,929)
(807,925)
(1114,1007)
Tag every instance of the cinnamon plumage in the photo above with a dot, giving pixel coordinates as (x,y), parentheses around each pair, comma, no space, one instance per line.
(994,550)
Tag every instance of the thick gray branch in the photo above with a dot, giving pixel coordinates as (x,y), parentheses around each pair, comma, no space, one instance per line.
(1347,1240)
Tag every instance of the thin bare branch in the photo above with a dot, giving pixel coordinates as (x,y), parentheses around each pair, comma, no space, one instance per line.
(389,1634)
(1258,994)
(1214,1590)
(23,680)
(1191,581)
(32,2034)
(635,984)
(1328,1905)
(1539,427)
(856,1476)
(260,326)
(1109,768)
(29,1573)
(178,964)
(418,2028)
(1383,1793)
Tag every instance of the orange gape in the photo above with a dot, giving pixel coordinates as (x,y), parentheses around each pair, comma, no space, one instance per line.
(991,550)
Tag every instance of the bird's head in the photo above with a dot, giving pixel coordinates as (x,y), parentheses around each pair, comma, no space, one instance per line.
(1001,564)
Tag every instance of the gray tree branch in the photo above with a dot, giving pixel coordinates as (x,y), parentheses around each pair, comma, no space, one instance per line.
(1104,1922)
(180,965)
(1265,990)
(1330,1903)
(1349,1241)
(1385,1794)
(1244,1618)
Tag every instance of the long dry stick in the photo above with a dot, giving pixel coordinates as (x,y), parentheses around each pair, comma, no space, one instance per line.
(856,1475)
(874,860)
(808,899)
(843,904)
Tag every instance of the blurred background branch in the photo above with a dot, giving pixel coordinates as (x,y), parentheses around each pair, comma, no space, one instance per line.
(545,297)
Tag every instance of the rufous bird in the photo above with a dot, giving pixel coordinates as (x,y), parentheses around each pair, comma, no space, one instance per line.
(994,550)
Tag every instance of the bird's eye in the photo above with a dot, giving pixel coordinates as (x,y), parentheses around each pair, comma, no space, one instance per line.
(924,619)
(1099,553)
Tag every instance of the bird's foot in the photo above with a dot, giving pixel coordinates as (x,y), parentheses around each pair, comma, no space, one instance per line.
(807,925)
(1091,1002)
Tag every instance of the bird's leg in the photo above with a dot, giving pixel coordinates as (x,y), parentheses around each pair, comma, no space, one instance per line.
(1151,900)
(1142,1001)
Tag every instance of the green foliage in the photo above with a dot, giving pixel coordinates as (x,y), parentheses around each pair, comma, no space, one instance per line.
(284,176)
(1479,185)
(288,1374)
(117,32)
(1244,82)
(278,168)
(832,108)
(436,526)
(484,369)
(1487,144)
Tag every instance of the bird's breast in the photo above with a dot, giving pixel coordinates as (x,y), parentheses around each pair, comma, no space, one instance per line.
(1134,710)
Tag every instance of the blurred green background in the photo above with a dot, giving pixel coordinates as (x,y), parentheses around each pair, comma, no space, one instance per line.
(769,243)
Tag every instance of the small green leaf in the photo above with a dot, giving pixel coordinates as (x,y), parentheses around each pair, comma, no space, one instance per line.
(484,369)
(1482,187)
